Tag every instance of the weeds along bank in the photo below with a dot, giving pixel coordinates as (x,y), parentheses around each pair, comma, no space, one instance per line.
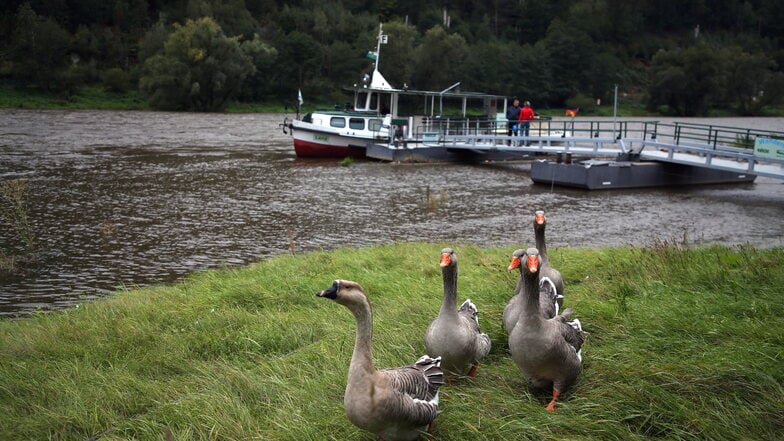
(682,343)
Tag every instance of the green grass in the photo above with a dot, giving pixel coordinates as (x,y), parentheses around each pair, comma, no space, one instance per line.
(683,343)
(92,97)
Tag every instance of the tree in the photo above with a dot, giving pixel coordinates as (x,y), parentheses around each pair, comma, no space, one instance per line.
(568,53)
(685,80)
(438,59)
(300,60)
(199,69)
(40,52)
(260,84)
(750,81)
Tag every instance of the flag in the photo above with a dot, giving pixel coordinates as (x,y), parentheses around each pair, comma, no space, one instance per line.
(572,112)
(299,97)
(373,55)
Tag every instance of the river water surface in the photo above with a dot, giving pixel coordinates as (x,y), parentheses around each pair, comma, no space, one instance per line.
(124,199)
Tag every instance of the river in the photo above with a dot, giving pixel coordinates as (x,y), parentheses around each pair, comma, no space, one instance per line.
(124,199)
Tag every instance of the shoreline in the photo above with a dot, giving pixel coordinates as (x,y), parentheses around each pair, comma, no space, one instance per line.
(676,347)
(96,98)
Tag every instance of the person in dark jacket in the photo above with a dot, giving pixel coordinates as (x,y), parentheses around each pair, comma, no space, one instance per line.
(512,115)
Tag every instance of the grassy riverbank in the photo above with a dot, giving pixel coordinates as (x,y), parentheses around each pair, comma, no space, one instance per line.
(682,344)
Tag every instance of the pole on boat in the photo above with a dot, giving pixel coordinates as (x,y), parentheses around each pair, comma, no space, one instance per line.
(615,108)
(441,98)
(381,39)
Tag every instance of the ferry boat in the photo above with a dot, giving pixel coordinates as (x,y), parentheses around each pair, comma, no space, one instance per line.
(377,117)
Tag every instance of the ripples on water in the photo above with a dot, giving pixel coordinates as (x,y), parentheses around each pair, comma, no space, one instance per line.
(120,199)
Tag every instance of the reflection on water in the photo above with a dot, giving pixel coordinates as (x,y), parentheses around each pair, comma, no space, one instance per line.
(120,199)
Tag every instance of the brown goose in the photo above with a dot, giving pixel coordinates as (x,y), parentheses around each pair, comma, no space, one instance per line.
(547,351)
(454,334)
(396,404)
(547,270)
(548,298)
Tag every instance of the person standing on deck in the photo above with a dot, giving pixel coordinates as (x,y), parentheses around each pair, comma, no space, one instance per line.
(512,115)
(524,120)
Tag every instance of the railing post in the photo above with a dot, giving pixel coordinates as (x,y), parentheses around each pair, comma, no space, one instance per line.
(677,134)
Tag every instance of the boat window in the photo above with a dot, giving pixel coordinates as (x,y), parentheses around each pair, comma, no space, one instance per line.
(374,125)
(337,121)
(361,101)
(373,102)
(356,123)
(308,118)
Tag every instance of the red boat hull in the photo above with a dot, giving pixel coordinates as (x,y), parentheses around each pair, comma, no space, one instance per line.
(309,149)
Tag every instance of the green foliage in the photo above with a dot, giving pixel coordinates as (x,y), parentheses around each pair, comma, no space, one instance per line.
(688,58)
(585,103)
(681,344)
(40,49)
(199,69)
(259,85)
(685,80)
(116,80)
(691,81)
(750,82)
(439,54)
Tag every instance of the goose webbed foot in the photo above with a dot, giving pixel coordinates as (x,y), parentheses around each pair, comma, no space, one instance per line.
(473,369)
(551,406)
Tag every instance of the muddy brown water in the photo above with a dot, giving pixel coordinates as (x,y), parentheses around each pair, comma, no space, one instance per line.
(124,199)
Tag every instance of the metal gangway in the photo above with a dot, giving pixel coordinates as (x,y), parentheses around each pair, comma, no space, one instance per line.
(701,145)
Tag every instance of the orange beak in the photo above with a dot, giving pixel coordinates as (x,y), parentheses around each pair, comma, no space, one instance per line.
(539,219)
(533,263)
(515,263)
(445,260)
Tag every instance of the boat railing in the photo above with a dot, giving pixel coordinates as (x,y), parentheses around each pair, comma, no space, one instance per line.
(442,129)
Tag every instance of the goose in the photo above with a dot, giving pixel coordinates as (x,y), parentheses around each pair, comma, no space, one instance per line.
(454,334)
(548,298)
(547,270)
(548,352)
(396,404)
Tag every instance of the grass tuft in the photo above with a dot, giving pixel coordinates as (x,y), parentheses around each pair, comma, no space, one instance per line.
(682,343)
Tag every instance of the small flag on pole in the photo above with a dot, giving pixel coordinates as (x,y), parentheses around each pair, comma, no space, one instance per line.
(299,97)
(373,55)
(572,112)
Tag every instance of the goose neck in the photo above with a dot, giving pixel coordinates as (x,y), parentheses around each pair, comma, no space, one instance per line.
(450,289)
(362,357)
(540,241)
(531,302)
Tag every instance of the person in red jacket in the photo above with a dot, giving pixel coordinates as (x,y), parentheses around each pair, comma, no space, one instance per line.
(524,121)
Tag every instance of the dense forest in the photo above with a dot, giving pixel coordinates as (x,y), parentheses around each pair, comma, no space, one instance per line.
(686,57)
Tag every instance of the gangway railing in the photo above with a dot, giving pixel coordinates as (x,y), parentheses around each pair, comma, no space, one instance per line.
(713,146)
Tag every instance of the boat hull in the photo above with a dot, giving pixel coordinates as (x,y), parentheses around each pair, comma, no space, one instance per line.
(595,175)
(315,142)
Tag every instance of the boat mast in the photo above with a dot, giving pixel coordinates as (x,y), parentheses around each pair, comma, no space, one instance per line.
(381,37)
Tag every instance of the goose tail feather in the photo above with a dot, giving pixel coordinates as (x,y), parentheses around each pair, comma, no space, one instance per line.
(431,367)
(469,309)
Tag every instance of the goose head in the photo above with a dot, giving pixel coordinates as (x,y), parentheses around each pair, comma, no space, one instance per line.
(528,261)
(539,220)
(448,257)
(345,292)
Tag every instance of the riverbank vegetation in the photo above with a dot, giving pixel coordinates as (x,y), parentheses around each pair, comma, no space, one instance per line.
(692,58)
(682,343)
(14,216)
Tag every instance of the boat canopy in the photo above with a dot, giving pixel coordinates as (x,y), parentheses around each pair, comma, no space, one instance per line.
(376,94)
